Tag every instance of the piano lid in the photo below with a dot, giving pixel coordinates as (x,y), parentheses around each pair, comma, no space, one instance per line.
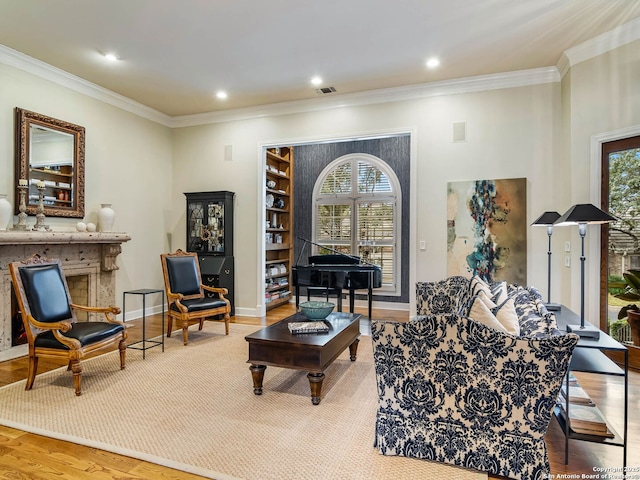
(334,258)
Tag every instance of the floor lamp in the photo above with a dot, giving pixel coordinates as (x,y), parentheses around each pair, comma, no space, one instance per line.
(546,220)
(582,215)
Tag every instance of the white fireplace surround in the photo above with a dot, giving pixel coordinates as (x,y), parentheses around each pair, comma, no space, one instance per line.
(92,254)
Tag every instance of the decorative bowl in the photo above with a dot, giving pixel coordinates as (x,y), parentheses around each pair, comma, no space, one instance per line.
(316,310)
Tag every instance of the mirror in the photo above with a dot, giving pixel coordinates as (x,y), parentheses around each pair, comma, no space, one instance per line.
(50,153)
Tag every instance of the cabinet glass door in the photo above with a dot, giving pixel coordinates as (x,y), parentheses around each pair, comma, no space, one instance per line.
(214,230)
(206,226)
(195,215)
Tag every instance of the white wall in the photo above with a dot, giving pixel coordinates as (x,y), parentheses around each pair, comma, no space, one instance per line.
(510,133)
(542,132)
(602,100)
(128,163)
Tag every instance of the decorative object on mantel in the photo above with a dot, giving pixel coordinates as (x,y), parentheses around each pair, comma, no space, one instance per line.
(40,226)
(5,211)
(106,216)
(81,227)
(91,227)
(23,186)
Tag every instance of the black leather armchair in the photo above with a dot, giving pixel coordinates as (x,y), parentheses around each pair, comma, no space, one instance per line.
(186,294)
(50,320)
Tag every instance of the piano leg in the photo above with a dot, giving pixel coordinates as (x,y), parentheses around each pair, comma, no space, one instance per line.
(352,300)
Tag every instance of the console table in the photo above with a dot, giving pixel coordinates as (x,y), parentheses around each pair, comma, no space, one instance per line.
(589,357)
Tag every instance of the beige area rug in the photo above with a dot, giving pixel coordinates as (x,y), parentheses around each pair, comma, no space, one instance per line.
(192,408)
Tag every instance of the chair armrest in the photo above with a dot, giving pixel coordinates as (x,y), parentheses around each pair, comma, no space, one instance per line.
(109,312)
(173,297)
(63,326)
(57,327)
(220,291)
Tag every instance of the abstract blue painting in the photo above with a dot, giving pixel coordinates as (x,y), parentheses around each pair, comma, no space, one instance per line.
(487,229)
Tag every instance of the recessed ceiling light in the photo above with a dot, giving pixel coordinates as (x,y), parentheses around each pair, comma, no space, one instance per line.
(433,62)
(221,95)
(316,81)
(112,57)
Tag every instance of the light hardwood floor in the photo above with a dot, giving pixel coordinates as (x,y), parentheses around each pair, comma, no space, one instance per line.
(27,456)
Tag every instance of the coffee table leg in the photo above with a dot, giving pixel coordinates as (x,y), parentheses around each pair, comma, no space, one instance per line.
(315,383)
(353,349)
(257,374)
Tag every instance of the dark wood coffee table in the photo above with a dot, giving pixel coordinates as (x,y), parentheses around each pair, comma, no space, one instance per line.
(313,352)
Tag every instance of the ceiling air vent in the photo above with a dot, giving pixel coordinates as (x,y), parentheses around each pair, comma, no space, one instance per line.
(325,90)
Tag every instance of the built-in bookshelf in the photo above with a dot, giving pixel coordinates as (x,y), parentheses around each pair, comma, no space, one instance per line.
(278,226)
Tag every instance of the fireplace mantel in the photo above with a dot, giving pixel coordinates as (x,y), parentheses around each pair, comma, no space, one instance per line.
(37,238)
(82,253)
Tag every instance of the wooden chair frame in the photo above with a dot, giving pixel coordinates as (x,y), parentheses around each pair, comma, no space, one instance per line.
(74,351)
(182,315)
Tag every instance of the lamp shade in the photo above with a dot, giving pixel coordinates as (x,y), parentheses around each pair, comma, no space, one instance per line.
(584,213)
(546,219)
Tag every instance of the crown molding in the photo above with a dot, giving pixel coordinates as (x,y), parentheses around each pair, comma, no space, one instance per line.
(619,36)
(615,38)
(563,65)
(18,60)
(396,94)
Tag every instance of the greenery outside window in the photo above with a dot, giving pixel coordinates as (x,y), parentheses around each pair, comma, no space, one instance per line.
(357,200)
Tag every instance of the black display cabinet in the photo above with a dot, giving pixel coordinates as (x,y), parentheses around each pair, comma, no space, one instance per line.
(210,235)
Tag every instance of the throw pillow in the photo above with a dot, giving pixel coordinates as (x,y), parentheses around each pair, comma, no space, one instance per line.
(499,292)
(486,299)
(478,284)
(479,312)
(506,314)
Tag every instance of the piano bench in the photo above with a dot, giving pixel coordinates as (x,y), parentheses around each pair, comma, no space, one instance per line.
(325,292)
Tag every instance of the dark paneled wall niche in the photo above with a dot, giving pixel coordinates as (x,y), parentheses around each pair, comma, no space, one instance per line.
(312,159)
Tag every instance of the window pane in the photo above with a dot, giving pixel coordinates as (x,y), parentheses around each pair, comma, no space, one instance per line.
(338,181)
(371,180)
(363,223)
(375,221)
(379,255)
(333,223)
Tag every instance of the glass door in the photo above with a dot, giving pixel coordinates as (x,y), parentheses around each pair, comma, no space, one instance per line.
(620,240)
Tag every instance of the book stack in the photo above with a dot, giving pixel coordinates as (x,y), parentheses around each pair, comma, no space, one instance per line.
(584,417)
(587,420)
(577,395)
(308,327)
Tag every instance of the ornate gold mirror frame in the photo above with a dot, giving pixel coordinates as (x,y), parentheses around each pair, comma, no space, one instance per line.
(49,159)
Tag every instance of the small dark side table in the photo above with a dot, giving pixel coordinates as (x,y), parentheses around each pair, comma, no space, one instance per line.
(146,344)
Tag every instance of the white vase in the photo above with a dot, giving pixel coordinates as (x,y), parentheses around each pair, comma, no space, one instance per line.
(5,212)
(106,216)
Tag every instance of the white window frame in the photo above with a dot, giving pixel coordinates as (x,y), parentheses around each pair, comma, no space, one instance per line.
(354,197)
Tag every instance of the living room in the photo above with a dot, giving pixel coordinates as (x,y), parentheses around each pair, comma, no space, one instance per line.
(545,124)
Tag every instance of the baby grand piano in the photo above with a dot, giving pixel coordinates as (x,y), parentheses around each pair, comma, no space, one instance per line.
(338,271)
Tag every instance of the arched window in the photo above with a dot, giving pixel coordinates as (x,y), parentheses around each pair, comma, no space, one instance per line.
(357,203)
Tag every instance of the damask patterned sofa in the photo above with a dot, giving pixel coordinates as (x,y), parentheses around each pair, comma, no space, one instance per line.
(454,390)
